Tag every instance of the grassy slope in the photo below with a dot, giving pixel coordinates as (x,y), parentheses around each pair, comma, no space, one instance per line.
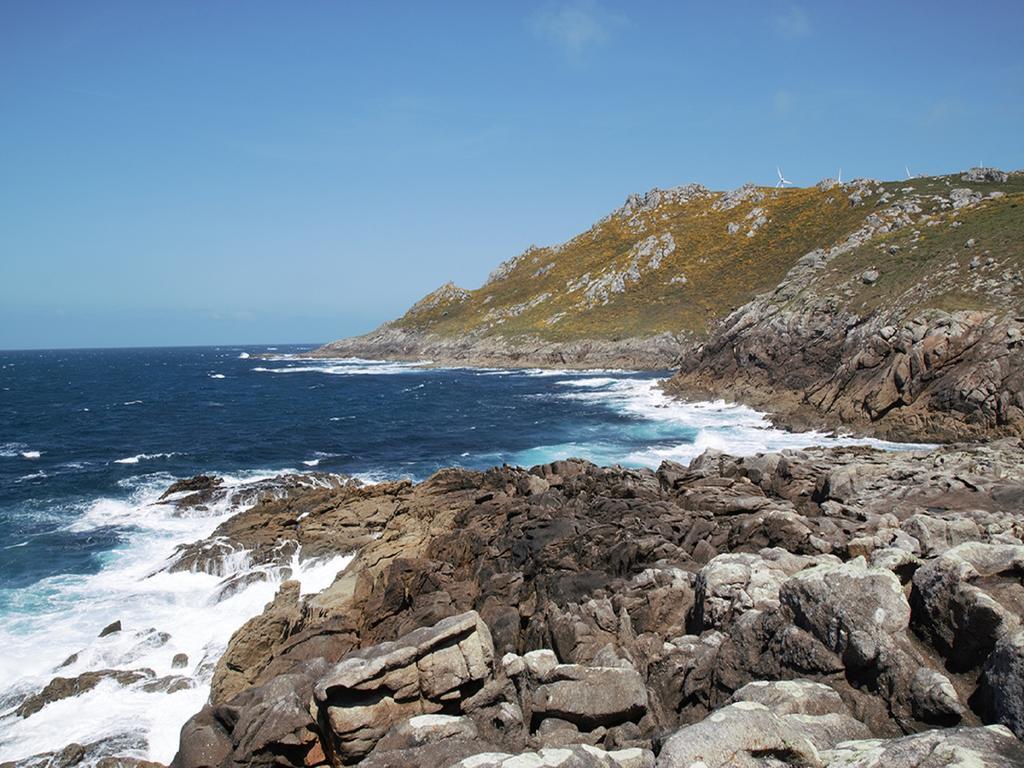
(724,271)
(931,267)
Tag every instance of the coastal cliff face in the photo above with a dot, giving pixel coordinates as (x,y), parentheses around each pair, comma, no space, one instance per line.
(886,308)
(914,332)
(829,607)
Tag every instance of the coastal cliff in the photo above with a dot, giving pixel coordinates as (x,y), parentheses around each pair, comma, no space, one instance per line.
(884,308)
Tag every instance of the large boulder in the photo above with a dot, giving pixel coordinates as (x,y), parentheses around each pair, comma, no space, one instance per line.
(591,696)
(250,647)
(965,600)
(1002,685)
(742,735)
(427,671)
(854,609)
(265,725)
(734,583)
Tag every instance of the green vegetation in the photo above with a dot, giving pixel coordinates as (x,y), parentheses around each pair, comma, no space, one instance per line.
(710,271)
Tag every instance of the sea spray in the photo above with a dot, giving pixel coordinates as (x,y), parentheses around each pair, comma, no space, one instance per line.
(52,630)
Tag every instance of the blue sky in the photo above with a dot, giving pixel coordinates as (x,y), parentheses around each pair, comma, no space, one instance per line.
(235,172)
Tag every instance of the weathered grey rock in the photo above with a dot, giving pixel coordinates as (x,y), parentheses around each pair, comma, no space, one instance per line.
(850,607)
(826,731)
(422,673)
(741,735)
(992,747)
(427,729)
(1002,686)
(980,175)
(573,756)
(731,584)
(793,697)
(957,609)
(591,696)
(935,700)
(936,535)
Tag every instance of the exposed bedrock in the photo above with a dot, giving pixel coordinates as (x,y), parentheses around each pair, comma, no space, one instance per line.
(801,608)
(934,376)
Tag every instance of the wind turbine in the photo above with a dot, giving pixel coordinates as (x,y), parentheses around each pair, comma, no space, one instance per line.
(907,169)
(783,181)
(840,179)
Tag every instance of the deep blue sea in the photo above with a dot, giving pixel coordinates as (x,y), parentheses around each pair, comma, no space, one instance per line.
(90,438)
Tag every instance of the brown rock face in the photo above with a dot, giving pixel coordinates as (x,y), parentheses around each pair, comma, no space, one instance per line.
(934,376)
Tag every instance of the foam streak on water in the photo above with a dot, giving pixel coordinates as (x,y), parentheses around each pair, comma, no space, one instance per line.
(61,616)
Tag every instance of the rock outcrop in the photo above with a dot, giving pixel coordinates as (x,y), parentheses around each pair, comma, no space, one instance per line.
(802,608)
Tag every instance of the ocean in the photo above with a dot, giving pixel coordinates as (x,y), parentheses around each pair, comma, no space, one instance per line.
(89,439)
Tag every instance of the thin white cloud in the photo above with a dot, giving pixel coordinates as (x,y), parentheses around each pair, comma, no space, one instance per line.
(792,23)
(575,27)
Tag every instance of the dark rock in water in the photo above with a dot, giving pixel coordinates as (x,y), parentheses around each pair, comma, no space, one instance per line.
(66,687)
(111,628)
(180,661)
(197,484)
(98,753)
(168,684)
(320,513)
(68,661)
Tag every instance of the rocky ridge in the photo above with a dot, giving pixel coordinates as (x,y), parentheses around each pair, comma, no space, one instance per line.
(883,308)
(827,607)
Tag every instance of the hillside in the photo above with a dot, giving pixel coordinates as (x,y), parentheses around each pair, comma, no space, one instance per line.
(915,333)
(770,296)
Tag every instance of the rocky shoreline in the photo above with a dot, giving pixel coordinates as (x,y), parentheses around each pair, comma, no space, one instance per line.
(657,353)
(828,607)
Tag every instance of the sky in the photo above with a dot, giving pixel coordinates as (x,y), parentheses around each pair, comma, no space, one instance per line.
(176,173)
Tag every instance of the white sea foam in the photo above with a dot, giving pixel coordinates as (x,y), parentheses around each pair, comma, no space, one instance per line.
(144,457)
(11,450)
(31,454)
(62,615)
(595,382)
(732,428)
(132,402)
(216,375)
(243,356)
(346,367)
(311,462)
